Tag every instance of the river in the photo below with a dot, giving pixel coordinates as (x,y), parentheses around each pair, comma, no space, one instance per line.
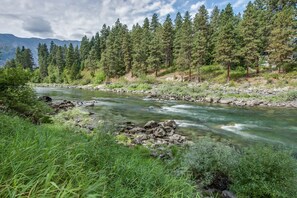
(238,124)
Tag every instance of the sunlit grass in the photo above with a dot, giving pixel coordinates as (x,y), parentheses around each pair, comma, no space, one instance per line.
(51,161)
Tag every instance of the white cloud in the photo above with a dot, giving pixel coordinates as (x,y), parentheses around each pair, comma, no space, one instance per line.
(70,19)
(239,3)
(196,6)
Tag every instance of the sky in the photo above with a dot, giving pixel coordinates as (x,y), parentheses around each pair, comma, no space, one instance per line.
(72,19)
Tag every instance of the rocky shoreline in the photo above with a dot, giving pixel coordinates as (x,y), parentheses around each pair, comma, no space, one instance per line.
(156,136)
(154,94)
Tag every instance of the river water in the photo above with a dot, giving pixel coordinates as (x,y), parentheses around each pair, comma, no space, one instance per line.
(238,124)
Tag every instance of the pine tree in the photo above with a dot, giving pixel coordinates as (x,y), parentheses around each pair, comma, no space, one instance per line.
(201,40)
(226,42)
(127,50)
(60,60)
(250,50)
(167,41)
(28,59)
(155,58)
(75,68)
(177,37)
(136,36)
(144,47)
(184,59)
(154,23)
(214,27)
(97,46)
(103,36)
(43,60)
(84,48)
(282,37)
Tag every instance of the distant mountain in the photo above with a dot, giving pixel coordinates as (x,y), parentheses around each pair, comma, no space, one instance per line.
(9,43)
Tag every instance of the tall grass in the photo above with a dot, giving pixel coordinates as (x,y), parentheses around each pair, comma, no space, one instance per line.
(51,161)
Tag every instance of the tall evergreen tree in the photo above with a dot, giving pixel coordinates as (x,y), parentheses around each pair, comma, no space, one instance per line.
(84,47)
(177,37)
(214,26)
(43,60)
(97,46)
(184,59)
(167,41)
(201,40)
(69,57)
(154,23)
(250,50)
(226,41)
(155,57)
(144,48)
(60,60)
(136,36)
(28,59)
(282,37)
(103,36)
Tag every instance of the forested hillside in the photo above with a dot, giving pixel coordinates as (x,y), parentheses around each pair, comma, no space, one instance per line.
(264,35)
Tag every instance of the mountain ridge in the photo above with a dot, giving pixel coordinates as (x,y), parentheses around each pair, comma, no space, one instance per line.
(9,43)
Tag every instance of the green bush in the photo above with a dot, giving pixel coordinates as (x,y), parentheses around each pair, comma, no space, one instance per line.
(99,77)
(17,97)
(147,79)
(140,87)
(115,86)
(265,172)
(211,162)
(290,67)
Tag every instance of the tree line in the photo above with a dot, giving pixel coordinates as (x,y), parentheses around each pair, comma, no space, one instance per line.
(266,29)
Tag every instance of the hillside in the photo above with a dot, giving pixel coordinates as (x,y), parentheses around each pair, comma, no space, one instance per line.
(9,43)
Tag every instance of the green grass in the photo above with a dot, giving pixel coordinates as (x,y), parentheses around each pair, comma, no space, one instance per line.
(51,161)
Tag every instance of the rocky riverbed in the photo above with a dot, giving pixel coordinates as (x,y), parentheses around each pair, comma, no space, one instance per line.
(244,96)
(156,136)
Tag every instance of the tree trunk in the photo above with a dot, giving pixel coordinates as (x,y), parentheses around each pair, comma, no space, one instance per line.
(247,72)
(258,68)
(228,73)
(190,75)
(279,69)
(156,73)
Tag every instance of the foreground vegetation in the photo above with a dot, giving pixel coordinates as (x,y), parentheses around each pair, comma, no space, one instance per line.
(57,160)
(50,161)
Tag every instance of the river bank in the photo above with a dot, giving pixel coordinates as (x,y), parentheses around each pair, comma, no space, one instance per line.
(199,93)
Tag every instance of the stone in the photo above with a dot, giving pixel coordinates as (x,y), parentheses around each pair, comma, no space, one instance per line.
(226,101)
(45,99)
(151,124)
(228,194)
(160,132)
(170,123)
(174,139)
(137,130)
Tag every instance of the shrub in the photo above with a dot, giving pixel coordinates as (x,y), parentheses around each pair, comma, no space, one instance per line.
(290,67)
(140,87)
(17,97)
(99,77)
(265,172)
(211,162)
(115,86)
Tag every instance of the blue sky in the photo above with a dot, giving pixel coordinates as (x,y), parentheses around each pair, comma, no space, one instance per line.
(71,19)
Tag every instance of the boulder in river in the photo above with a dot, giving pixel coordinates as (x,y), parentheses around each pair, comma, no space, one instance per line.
(46,99)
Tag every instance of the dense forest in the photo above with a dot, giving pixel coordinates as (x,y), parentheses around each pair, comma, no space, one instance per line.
(266,32)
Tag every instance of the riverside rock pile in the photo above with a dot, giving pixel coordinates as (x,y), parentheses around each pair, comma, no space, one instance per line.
(153,134)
